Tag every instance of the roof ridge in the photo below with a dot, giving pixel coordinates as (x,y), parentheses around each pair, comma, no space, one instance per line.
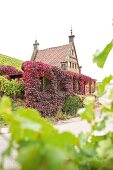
(53,47)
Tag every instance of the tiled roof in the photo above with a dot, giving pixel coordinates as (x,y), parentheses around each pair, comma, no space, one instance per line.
(53,56)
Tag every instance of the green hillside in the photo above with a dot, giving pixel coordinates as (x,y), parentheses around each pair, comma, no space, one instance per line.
(6,60)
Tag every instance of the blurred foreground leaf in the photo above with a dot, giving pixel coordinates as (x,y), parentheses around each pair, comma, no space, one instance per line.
(100,57)
(101,86)
(88,113)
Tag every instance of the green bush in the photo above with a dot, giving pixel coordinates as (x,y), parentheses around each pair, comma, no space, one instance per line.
(72,104)
(11,88)
(82,97)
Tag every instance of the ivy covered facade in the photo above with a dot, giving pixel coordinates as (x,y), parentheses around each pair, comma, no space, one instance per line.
(47,87)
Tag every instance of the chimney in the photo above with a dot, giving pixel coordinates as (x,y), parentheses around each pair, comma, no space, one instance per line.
(35,49)
(71,37)
(36,44)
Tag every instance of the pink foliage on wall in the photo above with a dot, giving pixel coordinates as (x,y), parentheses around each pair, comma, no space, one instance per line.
(61,85)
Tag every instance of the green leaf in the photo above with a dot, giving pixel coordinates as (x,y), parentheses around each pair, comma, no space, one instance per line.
(8,151)
(5,105)
(88,113)
(96,139)
(89,100)
(101,86)
(28,156)
(69,139)
(28,124)
(111,95)
(100,57)
(55,157)
(83,138)
(105,149)
(89,149)
(102,124)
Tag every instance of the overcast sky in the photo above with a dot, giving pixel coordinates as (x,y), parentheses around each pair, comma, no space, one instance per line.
(49,21)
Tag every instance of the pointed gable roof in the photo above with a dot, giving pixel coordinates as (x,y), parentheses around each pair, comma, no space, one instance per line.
(53,56)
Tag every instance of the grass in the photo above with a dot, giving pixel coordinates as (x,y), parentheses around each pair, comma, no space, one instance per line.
(9,61)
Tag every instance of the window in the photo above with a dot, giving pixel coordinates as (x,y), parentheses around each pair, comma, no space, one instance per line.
(44,84)
(75,66)
(72,65)
(63,66)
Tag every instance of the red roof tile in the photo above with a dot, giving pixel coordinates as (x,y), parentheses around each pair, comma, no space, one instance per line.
(53,56)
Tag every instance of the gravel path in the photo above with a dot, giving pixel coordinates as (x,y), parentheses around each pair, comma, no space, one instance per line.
(74,125)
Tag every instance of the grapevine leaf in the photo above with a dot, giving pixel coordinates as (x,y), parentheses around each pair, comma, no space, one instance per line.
(102,85)
(88,113)
(102,124)
(100,57)
(105,149)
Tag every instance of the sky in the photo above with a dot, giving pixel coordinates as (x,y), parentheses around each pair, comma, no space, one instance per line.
(49,21)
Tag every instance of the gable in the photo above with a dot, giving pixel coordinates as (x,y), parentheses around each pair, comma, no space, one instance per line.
(73,60)
(73,53)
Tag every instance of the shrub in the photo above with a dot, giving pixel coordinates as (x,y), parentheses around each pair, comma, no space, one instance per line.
(72,104)
(82,97)
(17,103)
(11,88)
(8,70)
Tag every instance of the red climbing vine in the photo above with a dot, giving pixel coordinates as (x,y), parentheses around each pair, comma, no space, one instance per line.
(57,86)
